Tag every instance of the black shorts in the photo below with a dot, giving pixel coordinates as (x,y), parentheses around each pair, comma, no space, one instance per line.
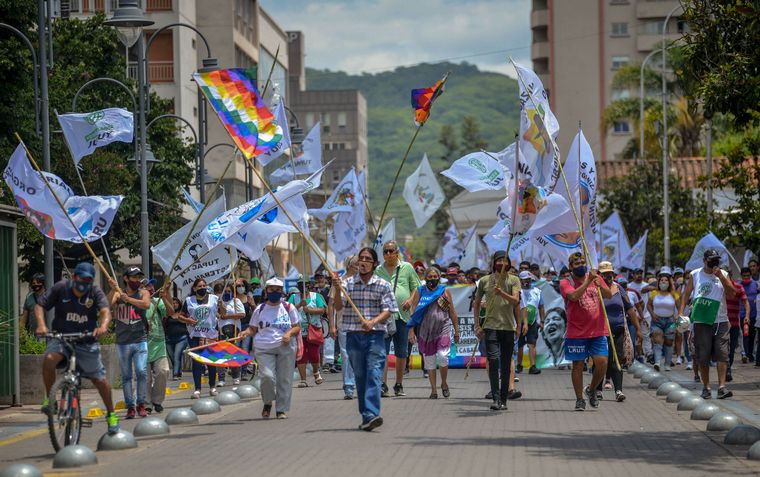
(711,342)
(531,337)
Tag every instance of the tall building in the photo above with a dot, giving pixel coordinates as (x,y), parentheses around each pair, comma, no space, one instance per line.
(577,47)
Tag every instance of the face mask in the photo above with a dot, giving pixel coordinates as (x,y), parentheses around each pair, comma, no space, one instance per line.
(498,267)
(133,284)
(679,281)
(82,287)
(201,292)
(526,285)
(433,284)
(580,272)
(36,287)
(664,286)
(713,262)
(240,290)
(274,297)
(746,281)
(607,280)
(227,296)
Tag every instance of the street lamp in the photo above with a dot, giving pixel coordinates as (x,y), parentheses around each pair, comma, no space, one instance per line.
(150,159)
(129,20)
(665,151)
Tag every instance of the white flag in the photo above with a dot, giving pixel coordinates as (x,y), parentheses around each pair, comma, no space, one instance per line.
(476,171)
(472,255)
(451,247)
(212,267)
(85,132)
(387,233)
(747,257)
(637,255)
(349,230)
(293,273)
(308,161)
(280,118)
(613,241)
(254,237)
(423,193)
(538,129)
(92,215)
(343,199)
(707,242)
(197,206)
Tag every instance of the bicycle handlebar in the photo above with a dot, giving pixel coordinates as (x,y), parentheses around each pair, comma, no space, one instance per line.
(70,336)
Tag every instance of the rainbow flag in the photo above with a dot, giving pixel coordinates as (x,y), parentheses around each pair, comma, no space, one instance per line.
(223,354)
(422,100)
(235,98)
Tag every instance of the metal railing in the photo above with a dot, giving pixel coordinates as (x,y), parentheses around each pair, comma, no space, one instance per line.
(108,6)
(158,71)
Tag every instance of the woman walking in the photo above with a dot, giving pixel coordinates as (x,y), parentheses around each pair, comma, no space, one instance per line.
(275,326)
(176,338)
(662,308)
(434,313)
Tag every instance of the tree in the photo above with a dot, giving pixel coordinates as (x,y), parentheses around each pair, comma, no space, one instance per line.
(472,139)
(85,50)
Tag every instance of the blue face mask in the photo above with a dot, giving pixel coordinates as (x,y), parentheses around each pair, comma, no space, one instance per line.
(226,296)
(274,297)
(580,272)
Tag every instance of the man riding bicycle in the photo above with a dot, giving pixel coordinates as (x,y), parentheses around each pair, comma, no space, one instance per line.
(78,303)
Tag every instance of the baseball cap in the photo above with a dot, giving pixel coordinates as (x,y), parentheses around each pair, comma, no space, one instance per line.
(84,270)
(526,275)
(665,271)
(606,267)
(132,271)
(622,281)
(638,270)
(273,282)
(711,253)
(255,281)
(678,270)
(418,264)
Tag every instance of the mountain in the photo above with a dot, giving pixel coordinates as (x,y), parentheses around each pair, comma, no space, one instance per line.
(491,98)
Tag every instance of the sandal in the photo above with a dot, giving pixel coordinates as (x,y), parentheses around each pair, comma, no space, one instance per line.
(433,396)
(303,384)
(266,411)
(318,379)
(446,392)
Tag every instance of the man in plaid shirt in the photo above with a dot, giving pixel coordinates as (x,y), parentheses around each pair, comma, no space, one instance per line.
(365,334)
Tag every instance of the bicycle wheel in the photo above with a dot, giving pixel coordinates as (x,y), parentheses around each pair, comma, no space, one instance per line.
(65,417)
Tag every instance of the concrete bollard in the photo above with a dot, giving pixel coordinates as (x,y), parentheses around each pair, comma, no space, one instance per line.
(742,435)
(151,426)
(689,403)
(74,456)
(722,421)
(246,391)
(205,406)
(227,398)
(704,412)
(181,416)
(119,441)
(657,381)
(648,376)
(667,387)
(675,396)
(21,470)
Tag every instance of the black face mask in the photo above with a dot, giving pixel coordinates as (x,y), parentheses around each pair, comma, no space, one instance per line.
(433,284)
(201,292)
(36,287)
(713,262)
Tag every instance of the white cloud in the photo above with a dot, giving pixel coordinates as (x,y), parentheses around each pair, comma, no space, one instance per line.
(375,35)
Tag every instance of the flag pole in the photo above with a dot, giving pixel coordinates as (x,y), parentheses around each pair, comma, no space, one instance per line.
(168,281)
(269,76)
(63,208)
(367,209)
(489,305)
(230,340)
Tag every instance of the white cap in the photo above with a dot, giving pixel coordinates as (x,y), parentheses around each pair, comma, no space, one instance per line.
(665,271)
(526,275)
(273,282)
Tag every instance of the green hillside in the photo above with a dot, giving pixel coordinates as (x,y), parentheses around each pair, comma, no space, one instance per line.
(490,98)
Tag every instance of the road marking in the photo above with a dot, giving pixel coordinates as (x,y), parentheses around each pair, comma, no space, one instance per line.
(23,436)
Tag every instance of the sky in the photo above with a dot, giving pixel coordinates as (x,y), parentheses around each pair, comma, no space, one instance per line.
(369,36)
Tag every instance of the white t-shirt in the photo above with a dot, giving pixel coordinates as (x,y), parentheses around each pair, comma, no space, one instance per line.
(708,298)
(633,297)
(272,323)
(644,297)
(531,299)
(663,305)
(232,310)
(205,315)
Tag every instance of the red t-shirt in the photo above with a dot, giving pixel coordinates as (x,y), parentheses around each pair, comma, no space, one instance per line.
(585,318)
(733,305)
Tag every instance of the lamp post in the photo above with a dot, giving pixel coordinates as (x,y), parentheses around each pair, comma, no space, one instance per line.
(665,148)
(129,20)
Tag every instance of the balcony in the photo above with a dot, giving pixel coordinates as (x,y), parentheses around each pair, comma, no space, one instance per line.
(539,49)
(83,7)
(654,8)
(158,71)
(645,43)
(539,18)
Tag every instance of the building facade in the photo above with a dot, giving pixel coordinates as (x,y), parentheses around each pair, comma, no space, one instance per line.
(577,47)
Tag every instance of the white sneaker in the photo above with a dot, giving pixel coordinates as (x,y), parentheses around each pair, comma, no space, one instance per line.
(667,367)
(220,384)
(688,365)
(235,382)
(195,395)
(678,361)
(212,392)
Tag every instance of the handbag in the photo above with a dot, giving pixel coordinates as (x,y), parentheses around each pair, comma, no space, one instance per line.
(627,348)
(390,330)
(314,335)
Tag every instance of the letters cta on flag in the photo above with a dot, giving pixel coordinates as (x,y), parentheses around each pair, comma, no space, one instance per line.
(211,267)
(85,132)
(422,192)
(92,216)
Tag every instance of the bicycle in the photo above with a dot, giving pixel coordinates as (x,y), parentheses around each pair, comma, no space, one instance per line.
(65,413)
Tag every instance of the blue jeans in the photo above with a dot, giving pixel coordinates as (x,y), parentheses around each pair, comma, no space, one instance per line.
(366,351)
(174,348)
(198,369)
(349,381)
(137,354)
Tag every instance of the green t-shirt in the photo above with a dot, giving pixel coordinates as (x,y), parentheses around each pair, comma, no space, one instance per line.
(314,300)
(408,281)
(500,314)
(29,304)
(156,337)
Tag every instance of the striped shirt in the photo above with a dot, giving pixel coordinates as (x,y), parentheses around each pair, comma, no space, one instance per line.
(371,299)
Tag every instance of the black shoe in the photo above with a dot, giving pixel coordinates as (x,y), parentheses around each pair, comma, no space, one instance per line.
(534,370)
(158,408)
(497,405)
(706,394)
(489,395)
(724,393)
(592,399)
(518,369)
(729,378)
(333,369)
(514,394)
(425,374)
(580,405)
(373,423)
(398,390)
(696,379)
(384,390)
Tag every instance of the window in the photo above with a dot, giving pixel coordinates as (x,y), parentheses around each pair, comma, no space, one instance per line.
(620,94)
(342,119)
(683,26)
(618,61)
(621,127)
(327,146)
(619,29)
(309,120)
(325,118)
(341,145)
(242,60)
(650,27)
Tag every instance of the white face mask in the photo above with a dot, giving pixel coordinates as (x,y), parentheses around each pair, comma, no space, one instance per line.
(240,290)
(664,286)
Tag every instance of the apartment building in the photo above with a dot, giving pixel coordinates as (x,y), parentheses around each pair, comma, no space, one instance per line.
(577,47)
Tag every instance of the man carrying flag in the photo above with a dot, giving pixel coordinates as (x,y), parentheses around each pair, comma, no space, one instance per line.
(587,333)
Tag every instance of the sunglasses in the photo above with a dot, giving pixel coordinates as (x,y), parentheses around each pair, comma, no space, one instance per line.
(389,251)
(366,260)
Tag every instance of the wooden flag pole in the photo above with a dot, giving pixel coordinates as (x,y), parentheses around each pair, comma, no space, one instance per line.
(230,340)
(269,76)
